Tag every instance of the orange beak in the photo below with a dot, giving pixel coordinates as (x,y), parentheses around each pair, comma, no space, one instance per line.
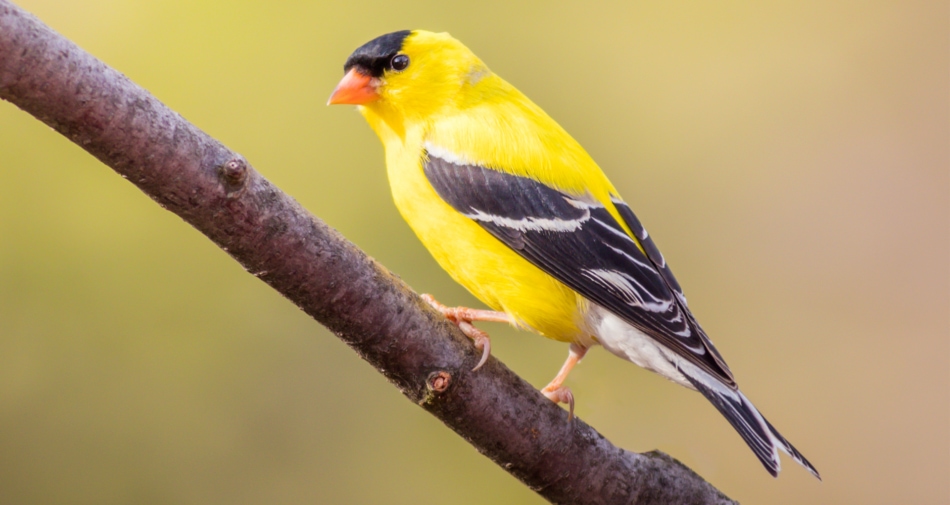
(355,88)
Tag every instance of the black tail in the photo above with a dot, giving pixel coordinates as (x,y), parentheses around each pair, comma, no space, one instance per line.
(762,438)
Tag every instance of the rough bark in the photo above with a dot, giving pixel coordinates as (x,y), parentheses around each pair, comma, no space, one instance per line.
(429,360)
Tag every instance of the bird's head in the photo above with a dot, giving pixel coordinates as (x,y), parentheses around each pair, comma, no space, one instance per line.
(407,76)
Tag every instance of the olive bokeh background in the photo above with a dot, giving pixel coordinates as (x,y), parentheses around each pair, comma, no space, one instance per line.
(792,159)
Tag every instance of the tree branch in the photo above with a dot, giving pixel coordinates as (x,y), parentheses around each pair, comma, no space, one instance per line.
(216,191)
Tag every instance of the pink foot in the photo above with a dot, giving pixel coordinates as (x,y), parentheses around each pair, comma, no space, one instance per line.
(561,394)
(464,317)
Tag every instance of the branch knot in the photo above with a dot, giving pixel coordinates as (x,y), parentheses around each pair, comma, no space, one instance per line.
(438,382)
(234,175)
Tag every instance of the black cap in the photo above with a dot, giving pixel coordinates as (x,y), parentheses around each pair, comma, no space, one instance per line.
(373,56)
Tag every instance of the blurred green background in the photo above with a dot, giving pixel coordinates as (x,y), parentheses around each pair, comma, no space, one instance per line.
(791,158)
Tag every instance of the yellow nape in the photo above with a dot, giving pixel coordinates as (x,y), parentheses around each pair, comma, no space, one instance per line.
(465,108)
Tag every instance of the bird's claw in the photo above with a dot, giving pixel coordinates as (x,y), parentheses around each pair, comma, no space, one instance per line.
(463,318)
(561,394)
(447,312)
(481,341)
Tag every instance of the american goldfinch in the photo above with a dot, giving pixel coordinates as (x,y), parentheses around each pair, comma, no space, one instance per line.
(515,210)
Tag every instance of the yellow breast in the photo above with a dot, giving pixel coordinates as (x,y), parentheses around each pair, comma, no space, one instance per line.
(486,267)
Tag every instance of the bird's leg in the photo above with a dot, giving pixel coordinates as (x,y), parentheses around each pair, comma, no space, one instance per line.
(463,317)
(562,394)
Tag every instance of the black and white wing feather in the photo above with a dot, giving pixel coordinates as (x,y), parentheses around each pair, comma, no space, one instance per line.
(576,240)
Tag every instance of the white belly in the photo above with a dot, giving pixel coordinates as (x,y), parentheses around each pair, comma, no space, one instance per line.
(629,343)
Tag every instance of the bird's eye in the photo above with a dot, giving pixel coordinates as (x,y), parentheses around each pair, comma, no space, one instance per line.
(399,62)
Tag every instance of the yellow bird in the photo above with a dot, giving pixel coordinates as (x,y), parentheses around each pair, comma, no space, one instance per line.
(515,210)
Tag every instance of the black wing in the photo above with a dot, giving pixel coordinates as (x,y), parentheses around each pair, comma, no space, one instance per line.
(578,242)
